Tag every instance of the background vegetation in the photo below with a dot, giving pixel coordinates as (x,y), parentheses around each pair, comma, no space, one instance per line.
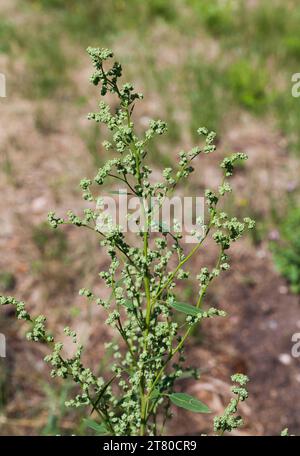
(223,64)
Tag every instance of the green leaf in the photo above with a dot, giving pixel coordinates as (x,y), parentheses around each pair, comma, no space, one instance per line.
(117,283)
(154,358)
(155,395)
(102,392)
(186,308)
(129,304)
(100,428)
(188,402)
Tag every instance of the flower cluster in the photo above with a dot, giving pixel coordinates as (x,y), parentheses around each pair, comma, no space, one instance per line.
(230,420)
(144,306)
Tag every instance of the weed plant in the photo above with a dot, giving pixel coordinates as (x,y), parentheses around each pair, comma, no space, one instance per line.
(137,396)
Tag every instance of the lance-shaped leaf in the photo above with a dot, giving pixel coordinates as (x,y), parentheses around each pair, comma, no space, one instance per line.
(186,308)
(100,395)
(128,304)
(188,402)
(99,428)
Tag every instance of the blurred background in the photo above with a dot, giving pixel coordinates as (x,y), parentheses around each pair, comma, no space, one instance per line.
(223,64)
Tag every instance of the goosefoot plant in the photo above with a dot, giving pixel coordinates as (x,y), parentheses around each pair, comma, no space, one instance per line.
(136,398)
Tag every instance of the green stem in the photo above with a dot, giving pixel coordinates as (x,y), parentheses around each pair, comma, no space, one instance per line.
(182,263)
(187,333)
(143,395)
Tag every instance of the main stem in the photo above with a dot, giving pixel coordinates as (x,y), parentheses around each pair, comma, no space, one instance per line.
(146,279)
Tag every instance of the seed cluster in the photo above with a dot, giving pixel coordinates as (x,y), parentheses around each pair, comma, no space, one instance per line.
(144,306)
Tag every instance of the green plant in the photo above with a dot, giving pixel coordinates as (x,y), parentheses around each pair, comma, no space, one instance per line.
(46,64)
(92,21)
(285,433)
(206,98)
(218,17)
(248,84)
(7,34)
(137,396)
(286,251)
(57,411)
(230,420)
